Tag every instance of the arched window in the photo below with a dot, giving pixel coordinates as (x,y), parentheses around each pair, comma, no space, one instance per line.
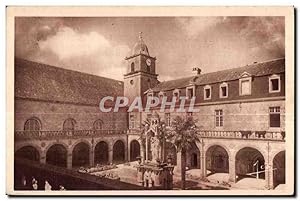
(32,124)
(69,125)
(132,67)
(98,124)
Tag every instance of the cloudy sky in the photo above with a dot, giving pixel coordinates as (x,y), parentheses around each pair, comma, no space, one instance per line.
(99,45)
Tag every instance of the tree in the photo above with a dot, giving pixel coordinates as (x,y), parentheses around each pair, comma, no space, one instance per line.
(183,133)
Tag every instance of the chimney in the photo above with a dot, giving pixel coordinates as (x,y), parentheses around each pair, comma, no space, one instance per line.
(197,71)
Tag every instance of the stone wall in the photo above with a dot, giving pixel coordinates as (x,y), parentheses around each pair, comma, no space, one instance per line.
(52,115)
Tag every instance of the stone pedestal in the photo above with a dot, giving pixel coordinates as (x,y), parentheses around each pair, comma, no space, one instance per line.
(69,161)
(151,175)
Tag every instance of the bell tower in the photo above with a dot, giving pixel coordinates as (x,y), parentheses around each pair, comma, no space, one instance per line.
(140,73)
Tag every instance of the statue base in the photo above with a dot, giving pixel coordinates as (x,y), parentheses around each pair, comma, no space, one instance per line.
(154,175)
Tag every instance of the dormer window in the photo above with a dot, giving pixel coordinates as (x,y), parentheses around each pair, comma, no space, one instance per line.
(274,84)
(190,92)
(207,92)
(161,95)
(245,86)
(176,94)
(150,96)
(223,90)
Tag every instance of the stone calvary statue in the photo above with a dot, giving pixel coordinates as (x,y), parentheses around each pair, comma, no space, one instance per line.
(155,149)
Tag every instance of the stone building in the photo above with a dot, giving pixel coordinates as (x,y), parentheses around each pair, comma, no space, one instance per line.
(241,115)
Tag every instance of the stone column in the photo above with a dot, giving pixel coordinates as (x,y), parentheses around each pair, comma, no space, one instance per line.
(126,153)
(271,183)
(232,171)
(203,164)
(142,151)
(269,176)
(92,157)
(43,158)
(147,150)
(69,161)
(110,155)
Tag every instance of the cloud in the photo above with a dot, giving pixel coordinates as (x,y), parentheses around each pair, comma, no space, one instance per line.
(86,52)
(195,25)
(67,43)
(260,35)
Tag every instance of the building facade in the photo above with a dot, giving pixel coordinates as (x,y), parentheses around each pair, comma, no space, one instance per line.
(240,116)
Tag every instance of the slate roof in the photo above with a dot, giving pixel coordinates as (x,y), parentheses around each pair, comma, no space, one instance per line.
(255,70)
(44,82)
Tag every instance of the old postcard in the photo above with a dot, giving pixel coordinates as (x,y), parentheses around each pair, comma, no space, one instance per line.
(150,101)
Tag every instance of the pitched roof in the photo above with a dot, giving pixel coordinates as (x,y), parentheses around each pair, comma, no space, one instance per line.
(256,69)
(44,82)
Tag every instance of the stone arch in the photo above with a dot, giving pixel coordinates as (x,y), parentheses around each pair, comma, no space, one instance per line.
(69,124)
(33,118)
(279,168)
(101,152)
(81,154)
(249,160)
(135,150)
(119,151)
(252,144)
(56,154)
(217,159)
(193,156)
(79,141)
(28,152)
(208,145)
(98,124)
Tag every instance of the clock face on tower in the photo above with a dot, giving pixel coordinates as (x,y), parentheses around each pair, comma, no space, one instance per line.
(148,62)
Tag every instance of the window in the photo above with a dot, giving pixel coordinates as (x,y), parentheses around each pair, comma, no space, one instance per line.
(245,87)
(69,125)
(131,121)
(98,124)
(207,92)
(190,92)
(148,69)
(219,118)
(176,94)
(274,117)
(132,67)
(168,119)
(32,124)
(274,84)
(224,90)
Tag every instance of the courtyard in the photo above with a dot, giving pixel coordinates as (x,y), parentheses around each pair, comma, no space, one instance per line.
(127,173)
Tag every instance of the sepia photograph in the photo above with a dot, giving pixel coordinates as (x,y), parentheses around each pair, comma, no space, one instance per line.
(150,101)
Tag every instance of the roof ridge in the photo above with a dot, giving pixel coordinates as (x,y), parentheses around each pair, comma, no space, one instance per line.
(66,69)
(248,65)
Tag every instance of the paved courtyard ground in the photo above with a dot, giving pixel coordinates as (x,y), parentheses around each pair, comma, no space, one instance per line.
(128,173)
